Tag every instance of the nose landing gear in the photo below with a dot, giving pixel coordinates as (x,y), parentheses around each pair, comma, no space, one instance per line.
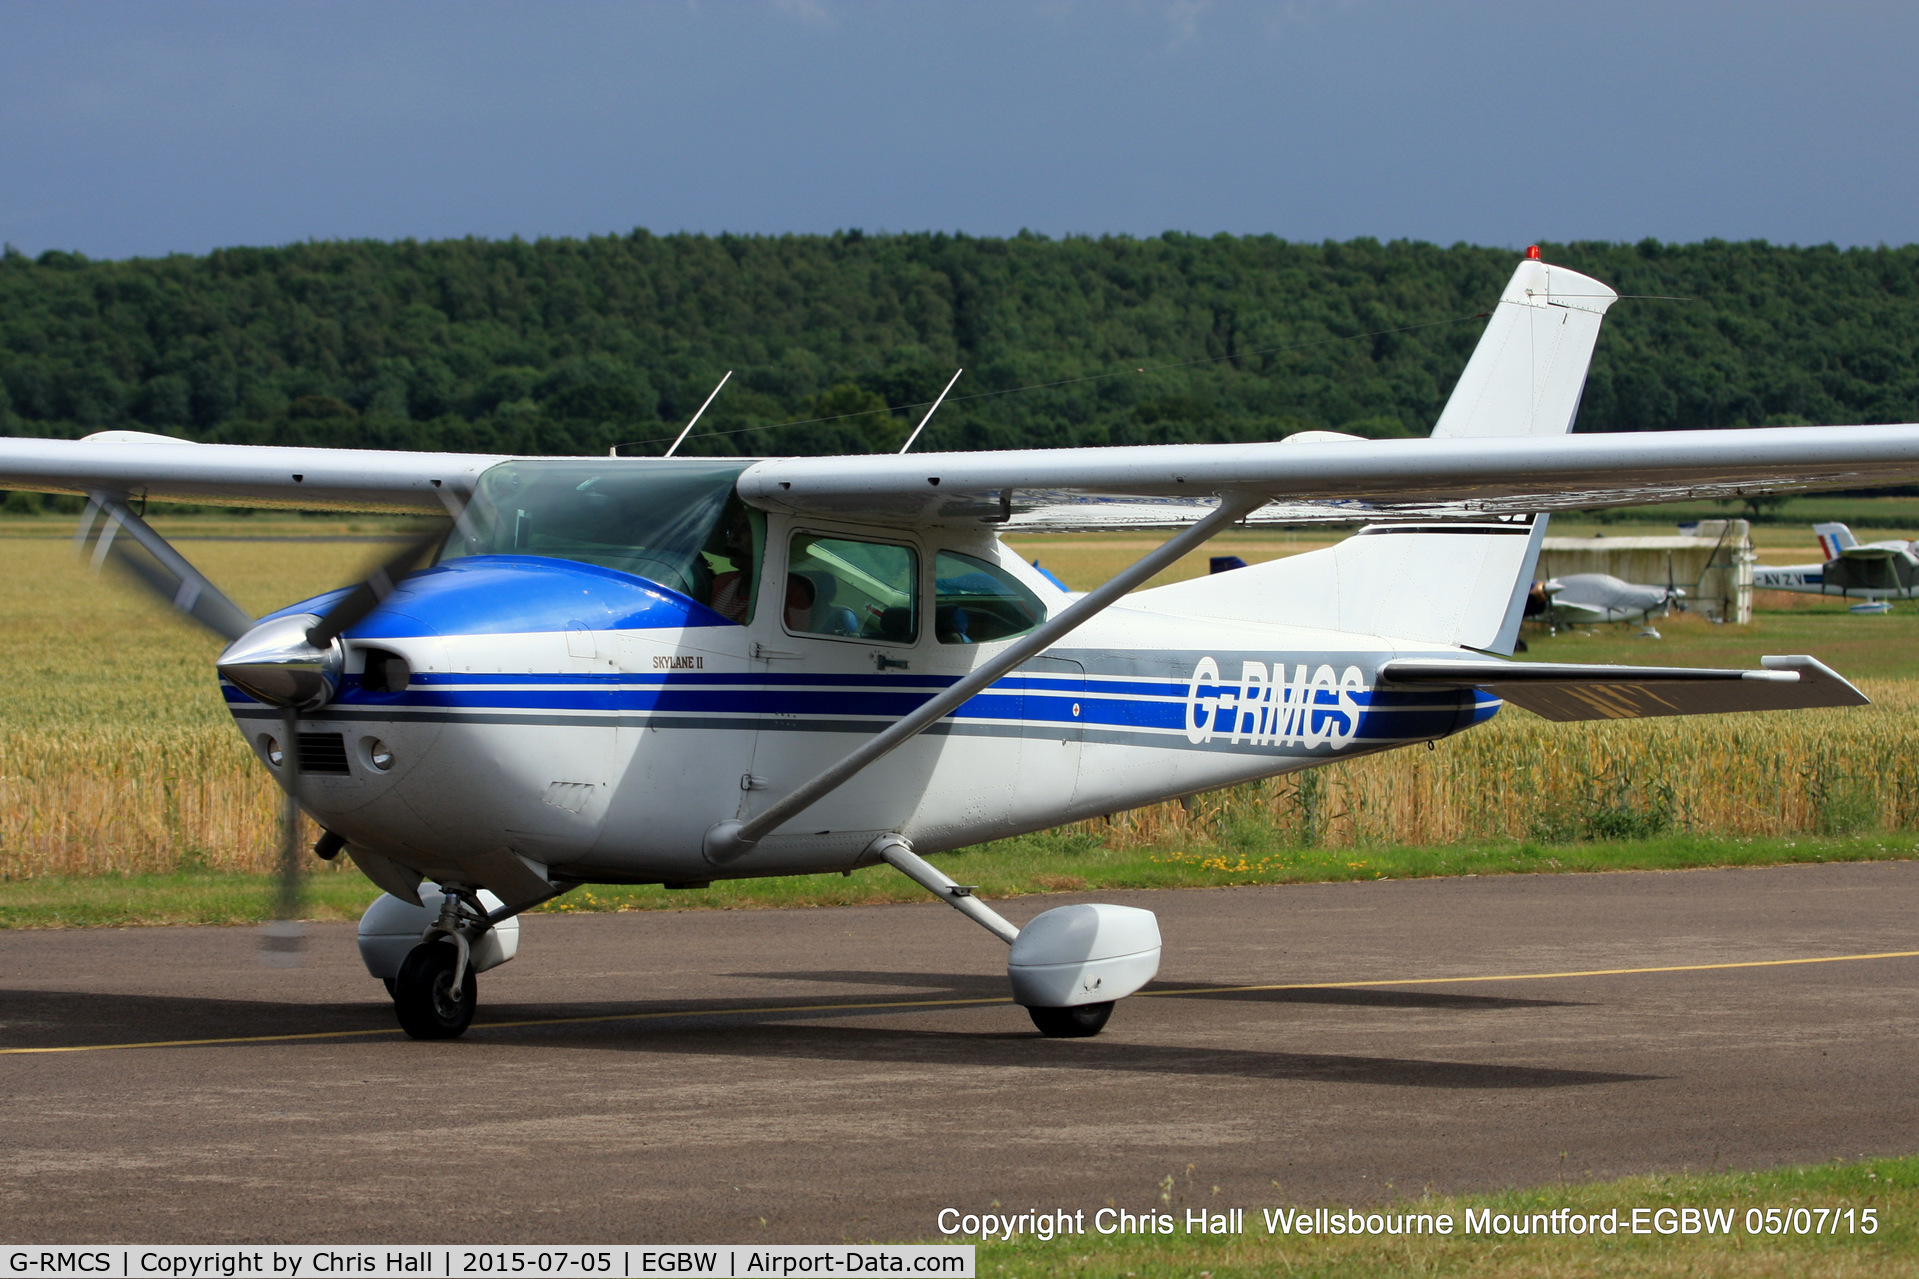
(426,950)
(426,998)
(435,991)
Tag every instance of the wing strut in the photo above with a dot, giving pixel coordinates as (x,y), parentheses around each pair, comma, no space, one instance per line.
(732,839)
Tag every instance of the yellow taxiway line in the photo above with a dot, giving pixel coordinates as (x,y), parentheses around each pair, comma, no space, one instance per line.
(960,1003)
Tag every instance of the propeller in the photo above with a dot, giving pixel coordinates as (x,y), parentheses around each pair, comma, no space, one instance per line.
(292,662)
(166,574)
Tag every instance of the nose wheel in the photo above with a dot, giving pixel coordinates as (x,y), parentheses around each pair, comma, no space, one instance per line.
(424,998)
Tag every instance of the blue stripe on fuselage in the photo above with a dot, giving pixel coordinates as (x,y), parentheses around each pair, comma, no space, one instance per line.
(1038,701)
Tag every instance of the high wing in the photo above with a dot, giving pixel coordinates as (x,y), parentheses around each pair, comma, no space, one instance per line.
(1345,480)
(1564,691)
(1149,486)
(133,464)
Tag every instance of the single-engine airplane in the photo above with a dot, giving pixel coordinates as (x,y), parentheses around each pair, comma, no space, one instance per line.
(681,670)
(1874,572)
(1601,597)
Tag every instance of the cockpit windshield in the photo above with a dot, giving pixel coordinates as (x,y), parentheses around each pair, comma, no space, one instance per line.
(672,522)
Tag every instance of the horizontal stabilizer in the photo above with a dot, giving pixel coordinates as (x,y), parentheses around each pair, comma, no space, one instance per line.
(1562,691)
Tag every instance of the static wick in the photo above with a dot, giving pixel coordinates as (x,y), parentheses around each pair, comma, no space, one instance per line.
(930,412)
(696,417)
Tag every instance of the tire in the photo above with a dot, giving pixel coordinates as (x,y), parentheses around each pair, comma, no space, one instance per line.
(1081,1021)
(420,998)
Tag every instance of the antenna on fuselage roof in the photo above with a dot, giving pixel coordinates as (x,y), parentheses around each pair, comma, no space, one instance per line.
(681,438)
(930,412)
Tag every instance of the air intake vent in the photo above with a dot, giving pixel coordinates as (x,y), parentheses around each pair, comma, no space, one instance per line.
(323,753)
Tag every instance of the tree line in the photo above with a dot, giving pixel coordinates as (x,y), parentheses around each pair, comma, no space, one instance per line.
(578,346)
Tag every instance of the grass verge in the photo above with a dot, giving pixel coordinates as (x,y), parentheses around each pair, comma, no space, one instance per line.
(1890,1187)
(1051,862)
(181,897)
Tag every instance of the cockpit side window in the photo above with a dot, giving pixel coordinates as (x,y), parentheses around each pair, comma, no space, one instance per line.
(676,523)
(857,590)
(978,602)
(733,556)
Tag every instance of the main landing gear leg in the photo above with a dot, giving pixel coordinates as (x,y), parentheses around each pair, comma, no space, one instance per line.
(435,993)
(1069,965)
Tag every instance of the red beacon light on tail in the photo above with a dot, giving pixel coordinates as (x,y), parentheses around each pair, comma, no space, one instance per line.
(1532,253)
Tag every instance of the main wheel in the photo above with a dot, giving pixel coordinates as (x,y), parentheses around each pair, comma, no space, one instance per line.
(1081,1021)
(422,993)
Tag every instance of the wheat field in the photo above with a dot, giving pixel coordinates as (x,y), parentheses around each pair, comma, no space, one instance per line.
(116,756)
(1521,777)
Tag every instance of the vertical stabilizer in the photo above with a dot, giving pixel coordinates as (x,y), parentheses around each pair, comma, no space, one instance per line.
(1833,539)
(1530,365)
(1452,584)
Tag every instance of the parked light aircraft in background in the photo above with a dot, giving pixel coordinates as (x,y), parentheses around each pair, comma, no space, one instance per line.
(1601,597)
(680,670)
(1873,573)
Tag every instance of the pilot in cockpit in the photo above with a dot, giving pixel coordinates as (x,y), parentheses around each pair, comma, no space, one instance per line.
(732,594)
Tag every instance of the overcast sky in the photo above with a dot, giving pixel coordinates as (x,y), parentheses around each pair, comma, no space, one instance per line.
(148,128)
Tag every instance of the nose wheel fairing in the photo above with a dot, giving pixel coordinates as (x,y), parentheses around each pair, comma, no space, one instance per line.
(391,928)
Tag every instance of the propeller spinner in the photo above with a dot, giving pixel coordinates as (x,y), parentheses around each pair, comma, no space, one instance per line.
(278,663)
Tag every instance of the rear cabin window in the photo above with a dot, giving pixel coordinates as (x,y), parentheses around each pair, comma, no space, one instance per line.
(857,590)
(977,601)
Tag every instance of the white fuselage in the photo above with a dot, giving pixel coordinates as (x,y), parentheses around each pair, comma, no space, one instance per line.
(606,754)
(1877,570)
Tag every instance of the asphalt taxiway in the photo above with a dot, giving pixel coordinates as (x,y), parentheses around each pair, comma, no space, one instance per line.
(843,1074)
